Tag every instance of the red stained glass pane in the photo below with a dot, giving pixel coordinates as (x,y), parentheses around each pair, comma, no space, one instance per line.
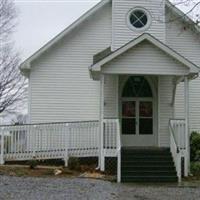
(146,109)
(128,109)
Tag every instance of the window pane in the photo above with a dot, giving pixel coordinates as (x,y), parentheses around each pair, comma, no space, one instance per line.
(139,13)
(146,109)
(146,126)
(138,24)
(133,19)
(128,126)
(144,19)
(137,86)
(128,109)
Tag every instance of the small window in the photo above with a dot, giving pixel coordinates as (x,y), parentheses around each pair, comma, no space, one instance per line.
(138,19)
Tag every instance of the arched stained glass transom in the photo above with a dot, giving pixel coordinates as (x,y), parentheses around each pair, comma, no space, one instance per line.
(137,86)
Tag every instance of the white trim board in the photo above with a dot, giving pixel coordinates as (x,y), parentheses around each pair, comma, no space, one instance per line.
(146,36)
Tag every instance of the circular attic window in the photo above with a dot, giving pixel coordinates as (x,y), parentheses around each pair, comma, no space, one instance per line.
(139,19)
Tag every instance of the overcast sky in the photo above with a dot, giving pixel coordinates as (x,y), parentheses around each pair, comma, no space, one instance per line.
(40,20)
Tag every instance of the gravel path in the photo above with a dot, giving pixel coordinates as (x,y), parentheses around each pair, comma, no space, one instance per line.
(21,188)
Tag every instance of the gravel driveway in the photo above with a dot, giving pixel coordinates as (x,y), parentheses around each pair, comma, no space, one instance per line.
(21,188)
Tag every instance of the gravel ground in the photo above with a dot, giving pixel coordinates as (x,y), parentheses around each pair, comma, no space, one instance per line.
(22,188)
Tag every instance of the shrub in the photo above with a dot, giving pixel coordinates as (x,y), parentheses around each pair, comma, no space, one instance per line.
(32,164)
(73,163)
(195,146)
(195,168)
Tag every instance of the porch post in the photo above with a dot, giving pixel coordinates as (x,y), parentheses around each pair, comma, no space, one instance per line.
(187,134)
(101,125)
(2,147)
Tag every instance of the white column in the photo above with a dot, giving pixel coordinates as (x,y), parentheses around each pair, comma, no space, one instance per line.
(117,96)
(66,136)
(186,97)
(102,157)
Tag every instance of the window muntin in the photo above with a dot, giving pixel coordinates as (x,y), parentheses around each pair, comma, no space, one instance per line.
(138,19)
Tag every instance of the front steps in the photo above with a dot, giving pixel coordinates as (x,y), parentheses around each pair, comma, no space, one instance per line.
(147,165)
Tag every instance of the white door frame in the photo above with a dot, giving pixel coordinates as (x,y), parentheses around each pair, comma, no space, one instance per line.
(154,99)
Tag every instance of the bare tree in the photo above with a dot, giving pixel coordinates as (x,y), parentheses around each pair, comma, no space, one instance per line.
(20,119)
(191,8)
(12,83)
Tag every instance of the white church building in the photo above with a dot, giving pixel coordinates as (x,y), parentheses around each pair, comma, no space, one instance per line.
(121,81)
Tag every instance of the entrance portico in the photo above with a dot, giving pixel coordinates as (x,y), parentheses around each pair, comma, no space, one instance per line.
(138,86)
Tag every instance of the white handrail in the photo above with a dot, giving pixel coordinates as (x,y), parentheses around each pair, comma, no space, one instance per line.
(49,141)
(177,143)
(112,142)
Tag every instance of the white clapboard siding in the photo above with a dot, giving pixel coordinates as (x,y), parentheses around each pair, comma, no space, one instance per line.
(179,101)
(110,96)
(194,101)
(185,41)
(60,85)
(166,109)
(122,32)
(194,108)
(144,58)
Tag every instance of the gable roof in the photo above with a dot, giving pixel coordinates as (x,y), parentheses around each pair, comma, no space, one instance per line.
(146,36)
(26,65)
(80,20)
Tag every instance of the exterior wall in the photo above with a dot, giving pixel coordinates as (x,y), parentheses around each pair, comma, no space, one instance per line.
(194,102)
(165,108)
(122,32)
(164,88)
(60,85)
(110,96)
(145,58)
(186,42)
(179,101)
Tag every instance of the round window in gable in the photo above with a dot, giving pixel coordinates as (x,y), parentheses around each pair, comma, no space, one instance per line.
(139,19)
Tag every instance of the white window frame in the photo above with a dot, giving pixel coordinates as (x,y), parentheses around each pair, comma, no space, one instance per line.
(145,27)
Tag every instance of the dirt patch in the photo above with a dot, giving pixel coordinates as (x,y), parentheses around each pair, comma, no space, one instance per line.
(40,171)
(191,178)
(53,171)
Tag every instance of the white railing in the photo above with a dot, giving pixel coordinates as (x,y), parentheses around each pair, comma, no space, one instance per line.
(60,141)
(49,141)
(177,143)
(112,142)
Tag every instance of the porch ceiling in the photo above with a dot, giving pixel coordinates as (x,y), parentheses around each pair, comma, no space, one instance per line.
(144,55)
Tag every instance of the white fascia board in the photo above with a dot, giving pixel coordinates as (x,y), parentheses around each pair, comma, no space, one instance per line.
(26,64)
(118,52)
(193,68)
